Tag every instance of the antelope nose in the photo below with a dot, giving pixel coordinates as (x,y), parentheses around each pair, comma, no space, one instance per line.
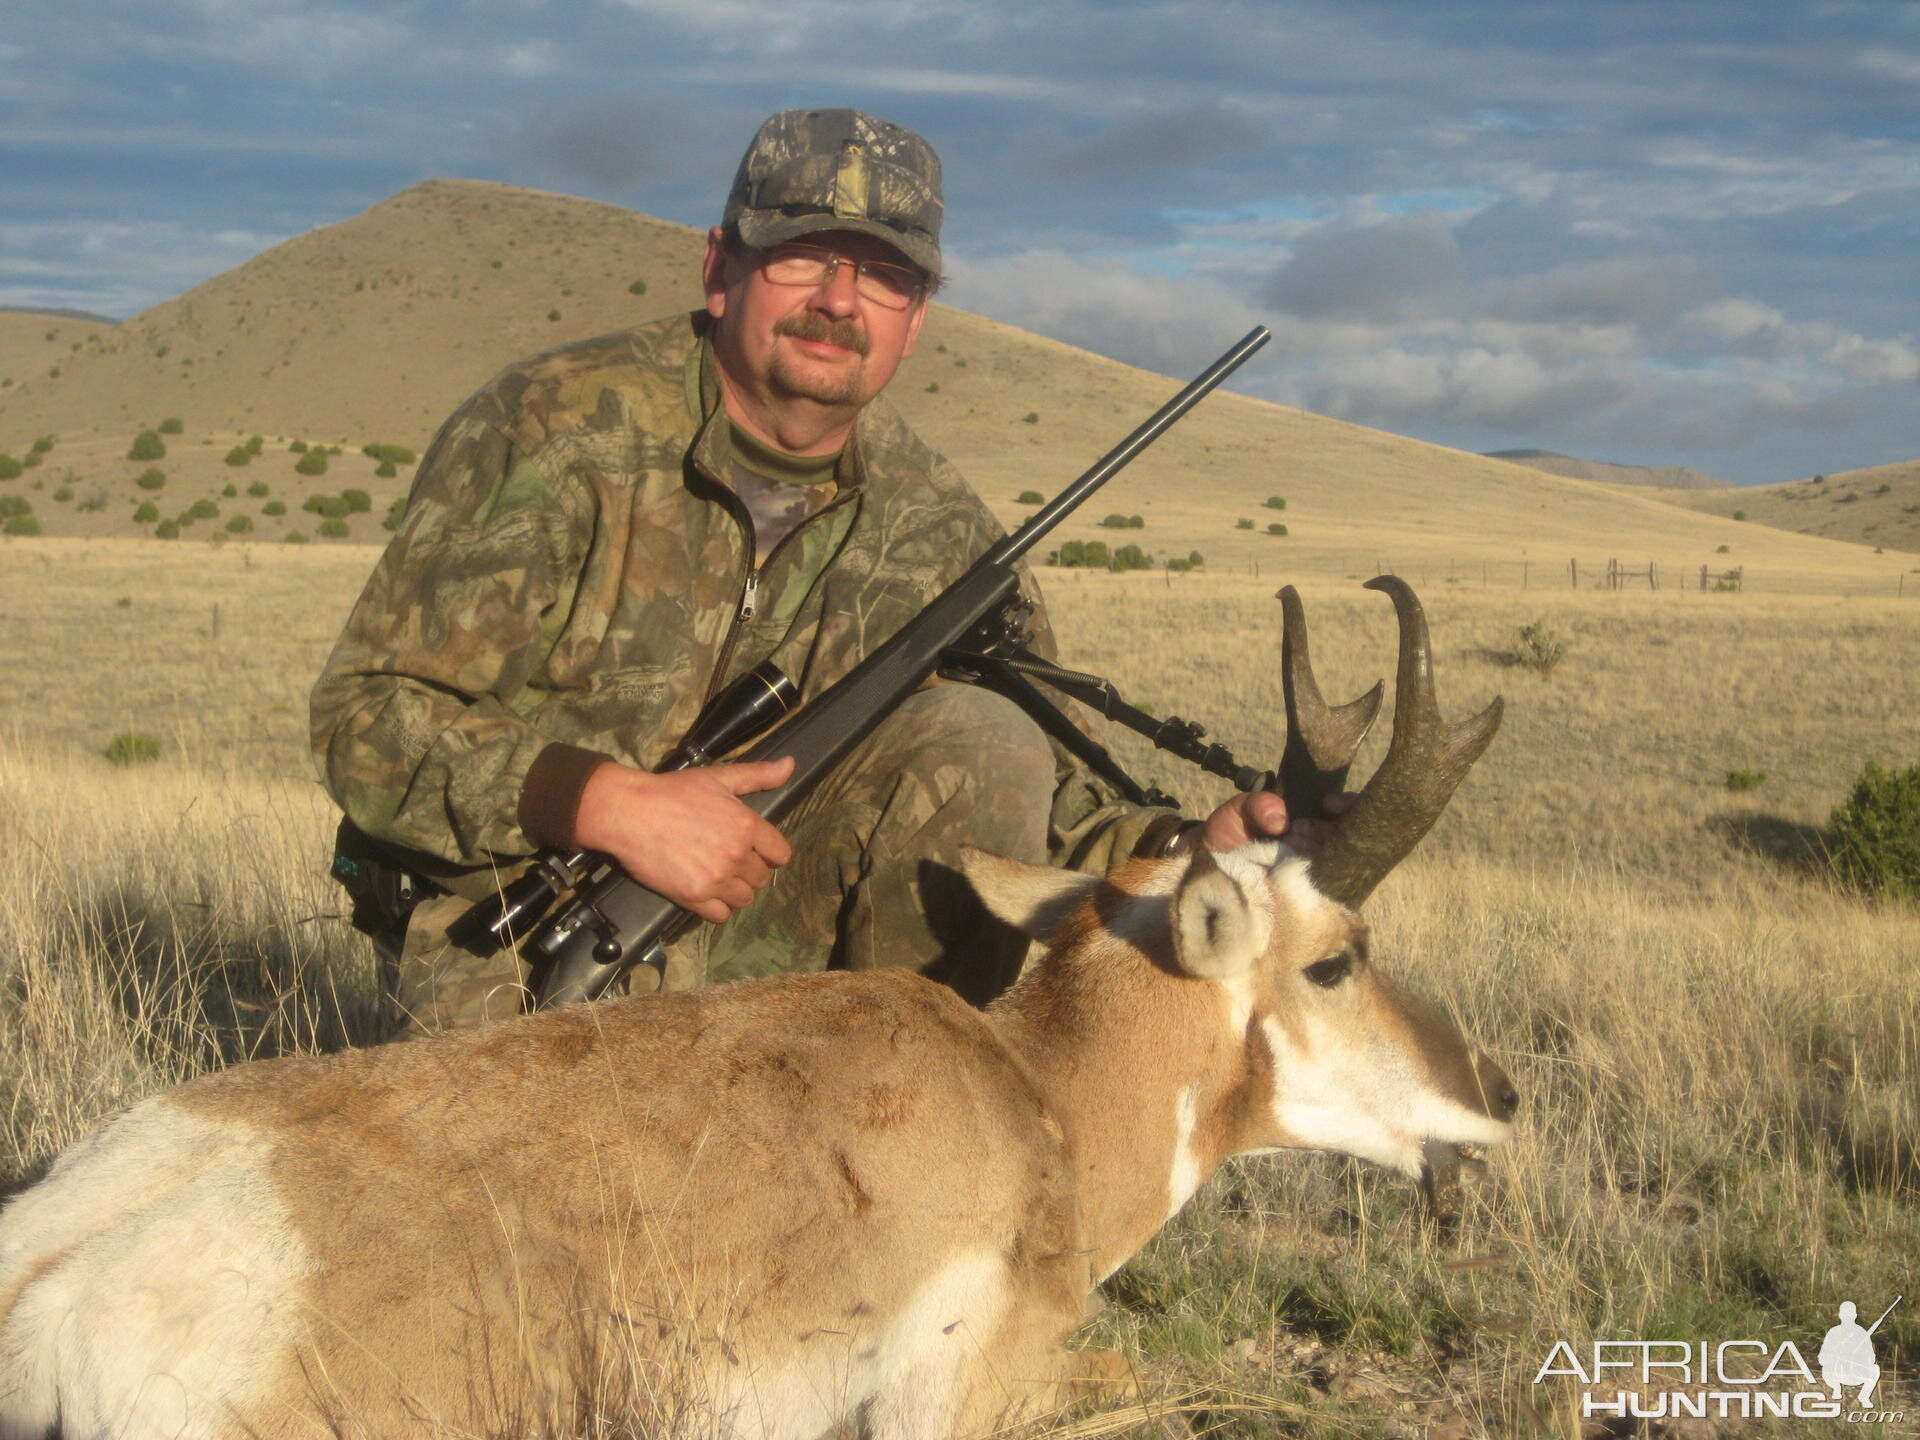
(1501,1098)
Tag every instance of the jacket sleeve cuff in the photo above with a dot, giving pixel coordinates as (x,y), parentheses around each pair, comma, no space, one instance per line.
(550,796)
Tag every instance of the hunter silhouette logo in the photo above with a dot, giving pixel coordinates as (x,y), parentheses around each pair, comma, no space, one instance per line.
(1846,1355)
(1727,1379)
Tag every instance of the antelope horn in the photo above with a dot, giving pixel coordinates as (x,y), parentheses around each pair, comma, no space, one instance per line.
(1322,739)
(1426,761)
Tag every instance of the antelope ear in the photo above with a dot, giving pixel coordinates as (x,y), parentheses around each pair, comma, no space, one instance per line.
(1034,899)
(1215,932)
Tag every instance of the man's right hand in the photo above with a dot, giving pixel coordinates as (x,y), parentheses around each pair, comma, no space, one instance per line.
(684,834)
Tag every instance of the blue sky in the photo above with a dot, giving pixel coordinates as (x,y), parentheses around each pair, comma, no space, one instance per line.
(1659,233)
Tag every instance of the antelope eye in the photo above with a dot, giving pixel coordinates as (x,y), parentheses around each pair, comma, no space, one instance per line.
(1329,972)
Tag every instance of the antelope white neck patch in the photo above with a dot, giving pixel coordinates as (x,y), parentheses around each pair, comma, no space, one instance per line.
(1185,1176)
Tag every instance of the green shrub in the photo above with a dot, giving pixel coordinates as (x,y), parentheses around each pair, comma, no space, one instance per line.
(297,537)
(1136,522)
(147,513)
(41,445)
(1031,497)
(1089,554)
(1176,563)
(151,478)
(386,470)
(1243,524)
(553,315)
(298,447)
(63,494)
(393,454)
(239,524)
(34,457)
(1738,780)
(333,529)
(171,425)
(255,444)
(396,512)
(933,387)
(1276,528)
(1536,647)
(147,445)
(1274,502)
(314,462)
(1196,559)
(1132,557)
(227,491)
(1113,522)
(130,747)
(239,455)
(1032,417)
(167,530)
(1721,550)
(12,505)
(329,507)
(358,502)
(203,510)
(10,468)
(638,287)
(23,525)
(258,489)
(1873,840)
(273,507)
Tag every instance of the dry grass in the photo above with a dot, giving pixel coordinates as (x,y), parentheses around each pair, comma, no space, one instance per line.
(1715,1050)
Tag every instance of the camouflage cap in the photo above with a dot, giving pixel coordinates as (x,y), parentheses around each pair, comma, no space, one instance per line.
(813,170)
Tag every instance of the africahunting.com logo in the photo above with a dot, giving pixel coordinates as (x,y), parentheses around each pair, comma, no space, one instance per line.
(1744,1379)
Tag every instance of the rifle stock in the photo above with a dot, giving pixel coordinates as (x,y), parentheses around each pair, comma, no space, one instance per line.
(617,922)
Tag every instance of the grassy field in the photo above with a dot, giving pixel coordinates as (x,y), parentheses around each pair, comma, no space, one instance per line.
(1720,1136)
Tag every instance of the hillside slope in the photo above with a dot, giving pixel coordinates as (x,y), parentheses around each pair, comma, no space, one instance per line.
(1878,506)
(35,342)
(374,328)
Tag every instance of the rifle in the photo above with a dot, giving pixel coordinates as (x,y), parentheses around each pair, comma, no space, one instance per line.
(613,922)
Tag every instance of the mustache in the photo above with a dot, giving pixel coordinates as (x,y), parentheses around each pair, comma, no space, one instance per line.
(808,326)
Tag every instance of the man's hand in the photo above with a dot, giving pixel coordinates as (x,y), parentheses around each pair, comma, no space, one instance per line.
(1262,815)
(684,834)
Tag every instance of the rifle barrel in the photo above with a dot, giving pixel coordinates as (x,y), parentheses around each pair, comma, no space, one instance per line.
(1884,1313)
(1057,509)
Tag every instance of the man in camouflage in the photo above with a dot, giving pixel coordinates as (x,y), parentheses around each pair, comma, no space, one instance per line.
(606,534)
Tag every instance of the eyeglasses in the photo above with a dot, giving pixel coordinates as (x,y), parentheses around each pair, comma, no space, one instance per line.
(894,286)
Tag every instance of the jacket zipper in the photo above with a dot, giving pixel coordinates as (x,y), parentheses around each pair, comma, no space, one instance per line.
(749,605)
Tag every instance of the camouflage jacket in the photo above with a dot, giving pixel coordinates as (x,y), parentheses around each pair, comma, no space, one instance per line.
(570,579)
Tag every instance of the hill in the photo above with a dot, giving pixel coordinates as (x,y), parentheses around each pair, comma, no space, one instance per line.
(1668,477)
(372,329)
(1878,506)
(34,342)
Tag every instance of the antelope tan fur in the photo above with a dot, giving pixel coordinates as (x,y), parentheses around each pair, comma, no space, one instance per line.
(840,1203)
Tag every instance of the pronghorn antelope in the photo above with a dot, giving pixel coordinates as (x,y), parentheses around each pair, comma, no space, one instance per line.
(828,1203)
